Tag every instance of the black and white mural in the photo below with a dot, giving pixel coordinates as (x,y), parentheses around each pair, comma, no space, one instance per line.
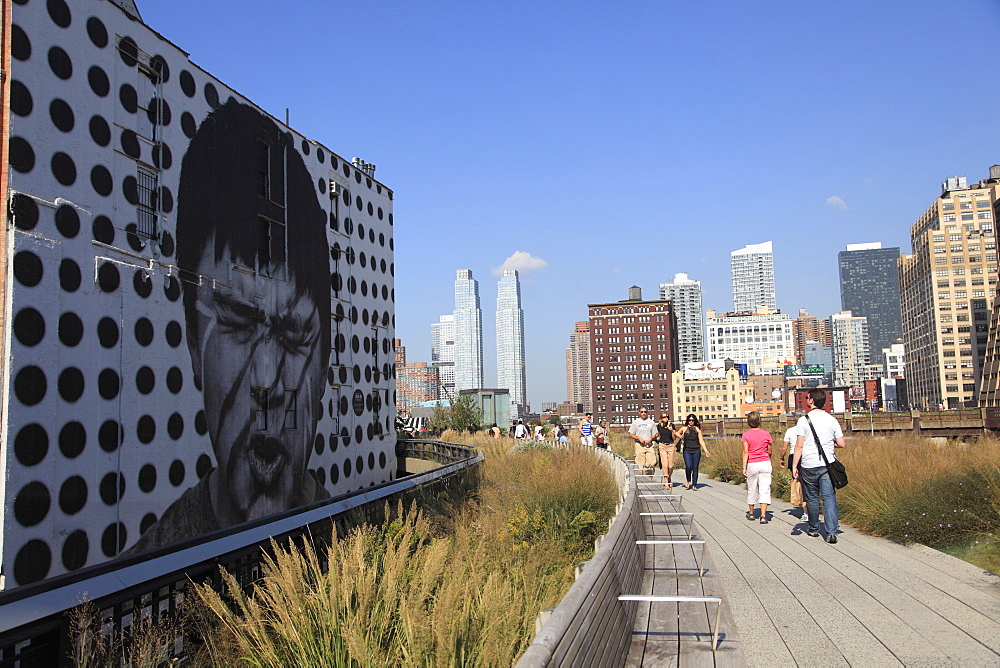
(200,302)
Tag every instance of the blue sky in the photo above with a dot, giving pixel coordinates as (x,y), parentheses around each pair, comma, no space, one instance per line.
(621,142)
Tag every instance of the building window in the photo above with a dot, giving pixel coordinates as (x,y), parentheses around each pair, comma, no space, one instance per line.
(145,209)
(259,396)
(948,217)
(291,411)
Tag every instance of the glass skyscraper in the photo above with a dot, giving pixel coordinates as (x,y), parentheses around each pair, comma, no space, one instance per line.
(869,287)
(468,333)
(443,354)
(510,340)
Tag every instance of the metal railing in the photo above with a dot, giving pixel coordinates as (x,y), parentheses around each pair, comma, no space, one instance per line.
(34,626)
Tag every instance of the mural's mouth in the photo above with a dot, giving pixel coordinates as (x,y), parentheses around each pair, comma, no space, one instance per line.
(266,456)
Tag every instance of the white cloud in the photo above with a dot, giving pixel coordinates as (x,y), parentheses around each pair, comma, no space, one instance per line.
(835,202)
(523,261)
(616,270)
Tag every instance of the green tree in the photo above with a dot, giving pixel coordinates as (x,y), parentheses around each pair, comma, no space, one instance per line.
(555,419)
(464,414)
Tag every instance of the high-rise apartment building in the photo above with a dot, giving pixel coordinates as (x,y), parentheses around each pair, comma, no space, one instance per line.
(510,342)
(947,285)
(399,350)
(851,352)
(633,352)
(686,297)
(468,332)
(869,287)
(443,354)
(416,383)
(761,340)
(810,328)
(753,278)
(578,367)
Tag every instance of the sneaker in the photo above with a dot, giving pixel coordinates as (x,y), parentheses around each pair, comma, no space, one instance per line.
(831,539)
(812,533)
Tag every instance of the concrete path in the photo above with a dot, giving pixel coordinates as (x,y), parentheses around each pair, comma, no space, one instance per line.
(798,601)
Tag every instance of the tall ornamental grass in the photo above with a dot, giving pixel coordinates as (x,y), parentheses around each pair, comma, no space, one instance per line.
(461,588)
(944,495)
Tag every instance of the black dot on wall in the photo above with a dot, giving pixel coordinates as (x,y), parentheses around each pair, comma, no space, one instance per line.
(347,468)
(145,380)
(173,333)
(129,51)
(60,64)
(320,476)
(22,156)
(113,539)
(334,474)
(159,65)
(112,488)
(59,13)
(147,478)
(98,81)
(158,112)
(29,326)
(319,444)
(75,550)
(320,156)
(107,332)
(211,95)
(61,115)
(101,181)
(70,384)
(73,495)
(145,430)
(358,434)
(162,157)
(305,147)
(63,169)
(128,98)
(72,439)
(25,212)
(174,380)
(108,384)
(32,503)
(359,465)
(187,83)
(97,32)
(172,289)
(357,375)
(31,444)
(148,520)
(176,473)
(134,242)
(142,283)
(108,278)
(175,426)
(32,562)
(130,144)
(381,460)
(68,221)
(103,230)
(143,331)
(30,385)
(100,132)
(188,125)
(166,200)
(371,461)
(203,466)
(109,436)
(70,329)
(333,442)
(344,405)
(20,45)
(27,268)
(130,188)
(20,99)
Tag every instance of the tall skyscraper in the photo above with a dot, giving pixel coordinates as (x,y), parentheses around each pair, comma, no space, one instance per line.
(945,287)
(762,340)
(851,352)
(810,328)
(468,332)
(510,342)
(686,296)
(869,287)
(443,354)
(633,352)
(753,278)
(578,367)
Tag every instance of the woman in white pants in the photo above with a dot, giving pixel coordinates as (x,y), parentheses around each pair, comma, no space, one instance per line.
(757,466)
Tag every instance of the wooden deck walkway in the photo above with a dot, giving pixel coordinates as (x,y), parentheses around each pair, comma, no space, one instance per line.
(793,600)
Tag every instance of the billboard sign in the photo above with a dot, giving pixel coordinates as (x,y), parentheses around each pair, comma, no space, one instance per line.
(710,370)
(804,370)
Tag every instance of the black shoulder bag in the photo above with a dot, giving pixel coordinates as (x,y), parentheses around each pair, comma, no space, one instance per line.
(838,474)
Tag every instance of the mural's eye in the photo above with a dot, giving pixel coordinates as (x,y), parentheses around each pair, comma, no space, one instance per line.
(236,318)
(295,335)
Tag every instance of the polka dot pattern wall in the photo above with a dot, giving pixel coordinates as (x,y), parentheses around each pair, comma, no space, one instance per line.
(201,302)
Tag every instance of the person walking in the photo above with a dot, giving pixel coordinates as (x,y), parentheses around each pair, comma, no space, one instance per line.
(667,440)
(643,432)
(788,446)
(520,431)
(809,468)
(601,434)
(757,466)
(586,431)
(693,445)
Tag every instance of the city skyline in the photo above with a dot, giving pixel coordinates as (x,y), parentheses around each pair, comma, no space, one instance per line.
(809,166)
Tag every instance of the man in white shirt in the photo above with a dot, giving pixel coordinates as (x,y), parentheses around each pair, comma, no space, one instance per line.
(643,432)
(810,469)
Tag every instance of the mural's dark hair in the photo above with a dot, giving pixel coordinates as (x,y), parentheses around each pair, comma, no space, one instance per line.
(218,199)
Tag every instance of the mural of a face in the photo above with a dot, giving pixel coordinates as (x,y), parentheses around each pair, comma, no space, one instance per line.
(261,376)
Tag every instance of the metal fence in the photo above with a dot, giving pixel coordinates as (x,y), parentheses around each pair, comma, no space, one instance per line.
(34,621)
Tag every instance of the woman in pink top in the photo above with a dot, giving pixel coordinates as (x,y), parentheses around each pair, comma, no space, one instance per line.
(757,466)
